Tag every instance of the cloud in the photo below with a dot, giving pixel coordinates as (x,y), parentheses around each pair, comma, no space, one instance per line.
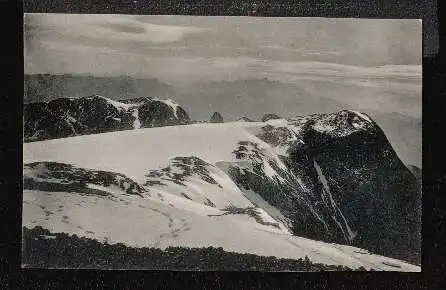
(349,41)
(74,43)
(107,29)
(120,27)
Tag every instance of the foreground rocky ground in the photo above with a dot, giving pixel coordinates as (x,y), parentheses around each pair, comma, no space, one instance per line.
(43,249)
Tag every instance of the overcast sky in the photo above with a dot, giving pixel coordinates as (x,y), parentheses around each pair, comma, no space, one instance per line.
(190,48)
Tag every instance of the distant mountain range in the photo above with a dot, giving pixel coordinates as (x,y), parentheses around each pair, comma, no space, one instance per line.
(250,98)
(46,87)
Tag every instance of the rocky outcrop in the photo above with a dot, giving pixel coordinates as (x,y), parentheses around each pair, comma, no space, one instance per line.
(158,114)
(61,177)
(337,179)
(216,118)
(66,117)
(270,116)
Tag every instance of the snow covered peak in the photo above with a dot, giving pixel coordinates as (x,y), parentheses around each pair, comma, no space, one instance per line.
(135,102)
(315,129)
(66,117)
(171,103)
(118,105)
(339,124)
(342,123)
(138,100)
(363,116)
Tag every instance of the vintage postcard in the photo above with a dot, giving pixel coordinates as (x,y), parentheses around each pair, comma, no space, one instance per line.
(222,143)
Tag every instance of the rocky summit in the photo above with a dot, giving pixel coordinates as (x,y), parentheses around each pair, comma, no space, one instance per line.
(67,117)
(342,182)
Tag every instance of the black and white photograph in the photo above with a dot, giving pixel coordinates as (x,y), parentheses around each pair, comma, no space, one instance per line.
(233,143)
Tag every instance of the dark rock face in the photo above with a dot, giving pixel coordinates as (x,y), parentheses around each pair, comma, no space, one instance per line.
(65,117)
(216,118)
(373,189)
(270,116)
(340,182)
(280,190)
(61,177)
(158,114)
(70,117)
(276,136)
(245,119)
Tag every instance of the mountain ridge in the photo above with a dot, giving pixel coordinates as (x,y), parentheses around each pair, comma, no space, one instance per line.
(66,117)
(320,176)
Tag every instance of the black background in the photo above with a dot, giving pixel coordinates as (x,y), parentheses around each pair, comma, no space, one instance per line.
(434,163)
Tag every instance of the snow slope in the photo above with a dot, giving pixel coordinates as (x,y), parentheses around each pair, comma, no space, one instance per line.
(134,152)
(149,222)
(165,216)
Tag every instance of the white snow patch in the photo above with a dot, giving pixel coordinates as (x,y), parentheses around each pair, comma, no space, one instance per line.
(321,127)
(277,122)
(350,235)
(117,104)
(271,173)
(136,123)
(268,218)
(47,237)
(281,150)
(363,116)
